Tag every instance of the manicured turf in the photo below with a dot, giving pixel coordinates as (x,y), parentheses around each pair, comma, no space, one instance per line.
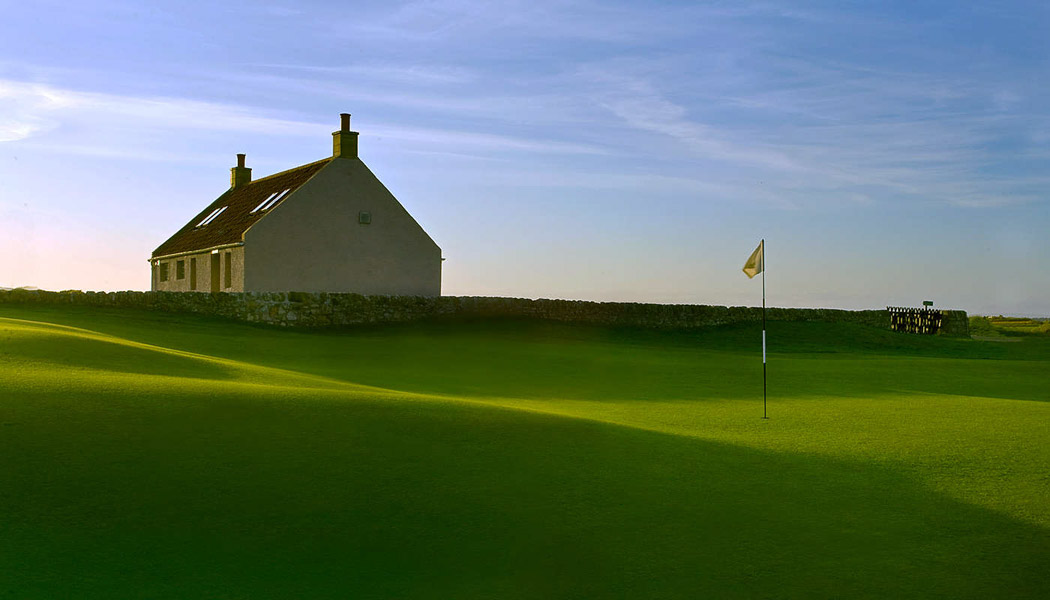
(147,455)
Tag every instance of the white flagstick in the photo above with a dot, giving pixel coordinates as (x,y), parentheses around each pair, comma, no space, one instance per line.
(756,263)
(764,416)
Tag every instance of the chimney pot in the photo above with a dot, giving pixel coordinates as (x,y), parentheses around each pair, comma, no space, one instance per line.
(344,141)
(240,175)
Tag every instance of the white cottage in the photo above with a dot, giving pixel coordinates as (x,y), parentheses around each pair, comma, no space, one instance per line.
(327,226)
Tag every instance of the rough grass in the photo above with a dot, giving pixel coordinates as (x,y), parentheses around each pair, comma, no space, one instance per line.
(1008,326)
(147,455)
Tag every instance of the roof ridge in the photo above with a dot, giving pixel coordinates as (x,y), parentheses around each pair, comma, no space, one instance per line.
(310,164)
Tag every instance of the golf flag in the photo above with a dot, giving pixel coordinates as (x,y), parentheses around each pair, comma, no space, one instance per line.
(756,263)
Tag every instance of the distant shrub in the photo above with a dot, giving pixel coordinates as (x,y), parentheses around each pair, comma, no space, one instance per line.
(983,327)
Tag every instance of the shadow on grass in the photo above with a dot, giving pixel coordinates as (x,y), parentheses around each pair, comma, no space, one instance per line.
(229,496)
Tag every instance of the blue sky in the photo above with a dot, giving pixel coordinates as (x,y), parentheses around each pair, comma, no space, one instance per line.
(888,152)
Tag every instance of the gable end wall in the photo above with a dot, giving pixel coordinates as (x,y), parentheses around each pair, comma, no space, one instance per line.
(313,241)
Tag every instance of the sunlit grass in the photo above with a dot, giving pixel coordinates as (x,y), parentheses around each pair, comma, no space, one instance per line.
(999,326)
(160,456)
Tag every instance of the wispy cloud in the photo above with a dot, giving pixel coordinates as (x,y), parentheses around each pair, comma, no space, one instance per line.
(414,74)
(26,110)
(114,125)
(462,139)
(34,104)
(838,129)
(466,21)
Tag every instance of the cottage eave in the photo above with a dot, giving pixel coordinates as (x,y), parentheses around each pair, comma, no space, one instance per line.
(189,252)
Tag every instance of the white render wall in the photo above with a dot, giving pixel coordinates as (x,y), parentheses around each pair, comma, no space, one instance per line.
(313,241)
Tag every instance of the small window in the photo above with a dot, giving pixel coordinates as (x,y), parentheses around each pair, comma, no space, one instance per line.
(271,201)
(180,269)
(163,271)
(211,217)
(364,217)
(228,276)
(193,274)
(265,202)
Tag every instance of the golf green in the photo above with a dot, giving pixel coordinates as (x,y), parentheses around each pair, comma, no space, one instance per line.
(148,455)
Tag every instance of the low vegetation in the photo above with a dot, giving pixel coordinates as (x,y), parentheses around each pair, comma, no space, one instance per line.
(149,455)
(1008,326)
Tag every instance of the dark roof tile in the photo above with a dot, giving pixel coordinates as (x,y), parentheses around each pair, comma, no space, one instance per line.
(229,227)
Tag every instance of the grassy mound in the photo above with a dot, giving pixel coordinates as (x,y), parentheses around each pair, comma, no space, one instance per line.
(150,455)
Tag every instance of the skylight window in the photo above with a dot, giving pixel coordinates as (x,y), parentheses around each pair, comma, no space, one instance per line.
(265,202)
(271,201)
(211,217)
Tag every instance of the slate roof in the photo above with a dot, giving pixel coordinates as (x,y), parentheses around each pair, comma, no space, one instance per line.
(229,226)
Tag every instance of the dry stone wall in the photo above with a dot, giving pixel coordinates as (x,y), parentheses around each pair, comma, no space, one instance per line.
(298,309)
(955,323)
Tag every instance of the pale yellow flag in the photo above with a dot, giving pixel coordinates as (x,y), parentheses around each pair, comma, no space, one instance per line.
(756,262)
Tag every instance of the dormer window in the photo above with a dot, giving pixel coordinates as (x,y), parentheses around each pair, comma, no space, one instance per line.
(211,217)
(270,201)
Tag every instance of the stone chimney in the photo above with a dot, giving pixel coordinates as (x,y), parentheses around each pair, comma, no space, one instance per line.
(240,175)
(344,141)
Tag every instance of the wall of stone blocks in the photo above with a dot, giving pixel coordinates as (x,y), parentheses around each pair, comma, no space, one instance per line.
(299,309)
(955,323)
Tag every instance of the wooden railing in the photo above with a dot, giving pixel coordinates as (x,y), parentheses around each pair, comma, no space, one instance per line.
(915,320)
